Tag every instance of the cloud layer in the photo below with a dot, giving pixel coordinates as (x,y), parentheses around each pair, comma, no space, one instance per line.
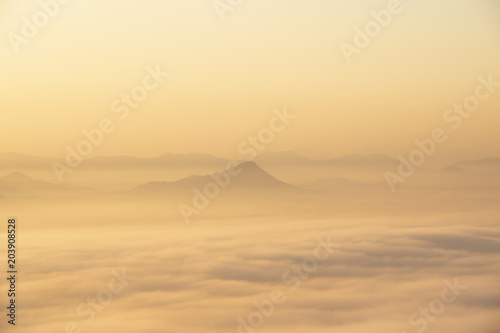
(206,276)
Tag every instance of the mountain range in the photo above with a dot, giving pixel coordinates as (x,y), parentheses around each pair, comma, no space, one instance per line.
(149,175)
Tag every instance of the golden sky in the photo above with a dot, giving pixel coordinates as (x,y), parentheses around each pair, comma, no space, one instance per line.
(226,79)
(227,76)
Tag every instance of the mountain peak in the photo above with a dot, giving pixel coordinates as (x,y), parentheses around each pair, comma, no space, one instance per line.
(246,175)
(248,165)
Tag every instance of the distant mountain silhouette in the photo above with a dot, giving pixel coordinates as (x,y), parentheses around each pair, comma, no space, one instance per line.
(18,185)
(290,158)
(19,162)
(453,169)
(16,162)
(283,157)
(363,161)
(164,161)
(447,157)
(251,178)
(105,172)
(481,165)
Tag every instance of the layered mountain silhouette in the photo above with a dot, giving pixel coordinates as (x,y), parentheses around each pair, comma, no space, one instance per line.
(290,184)
(246,177)
(21,161)
(291,158)
(139,175)
(481,165)
(16,162)
(17,185)
(164,161)
(453,170)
